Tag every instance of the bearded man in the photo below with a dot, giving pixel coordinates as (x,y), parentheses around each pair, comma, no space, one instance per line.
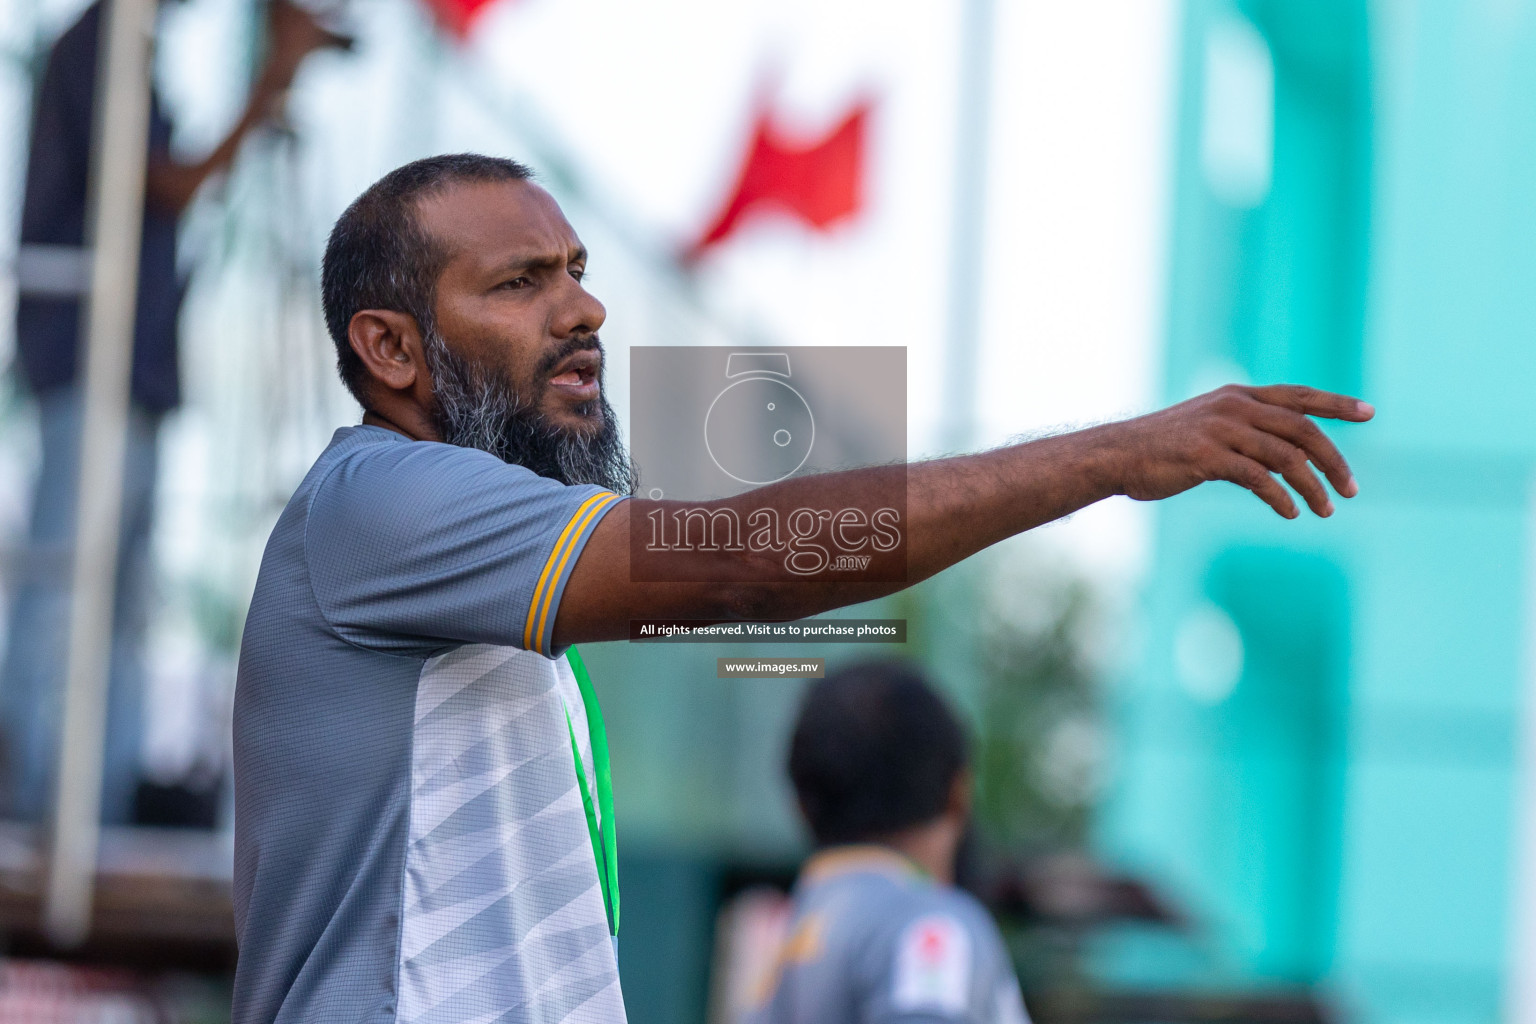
(422,827)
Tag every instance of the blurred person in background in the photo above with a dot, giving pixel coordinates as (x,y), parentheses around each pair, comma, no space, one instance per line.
(53,275)
(880,934)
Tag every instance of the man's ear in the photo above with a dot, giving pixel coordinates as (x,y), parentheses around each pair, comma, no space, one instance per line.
(390,346)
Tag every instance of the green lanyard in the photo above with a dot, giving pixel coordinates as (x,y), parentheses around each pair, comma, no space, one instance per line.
(604,847)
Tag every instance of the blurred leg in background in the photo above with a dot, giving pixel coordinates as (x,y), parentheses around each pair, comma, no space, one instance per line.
(31,683)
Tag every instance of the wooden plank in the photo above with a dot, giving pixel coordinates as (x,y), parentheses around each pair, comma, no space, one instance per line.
(151,884)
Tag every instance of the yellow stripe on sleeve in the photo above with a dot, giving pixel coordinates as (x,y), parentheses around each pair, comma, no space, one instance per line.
(554,555)
(549,594)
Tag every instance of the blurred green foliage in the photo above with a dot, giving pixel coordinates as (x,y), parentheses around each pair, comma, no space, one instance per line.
(1039,748)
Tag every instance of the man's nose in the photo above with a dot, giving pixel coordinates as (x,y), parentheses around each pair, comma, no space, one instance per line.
(579,312)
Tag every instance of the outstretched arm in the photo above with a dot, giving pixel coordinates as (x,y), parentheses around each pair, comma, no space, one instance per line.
(955,507)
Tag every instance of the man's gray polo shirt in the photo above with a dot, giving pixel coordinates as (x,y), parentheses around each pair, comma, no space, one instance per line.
(874,941)
(410,841)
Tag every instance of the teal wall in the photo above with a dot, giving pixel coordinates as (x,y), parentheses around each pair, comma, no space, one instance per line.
(1344,818)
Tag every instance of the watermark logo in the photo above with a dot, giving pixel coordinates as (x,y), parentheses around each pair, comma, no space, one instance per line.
(734,446)
(812,540)
(759,429)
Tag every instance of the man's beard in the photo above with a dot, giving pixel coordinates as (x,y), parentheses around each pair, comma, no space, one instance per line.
(477,407)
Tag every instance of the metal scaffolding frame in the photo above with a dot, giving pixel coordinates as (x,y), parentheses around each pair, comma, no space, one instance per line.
(115,217)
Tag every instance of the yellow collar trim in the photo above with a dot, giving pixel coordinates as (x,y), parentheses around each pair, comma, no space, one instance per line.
(841,860)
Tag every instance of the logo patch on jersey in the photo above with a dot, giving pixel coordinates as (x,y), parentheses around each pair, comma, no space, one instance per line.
(933,966)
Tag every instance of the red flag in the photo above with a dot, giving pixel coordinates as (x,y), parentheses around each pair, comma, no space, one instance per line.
(822,182)
(458,16)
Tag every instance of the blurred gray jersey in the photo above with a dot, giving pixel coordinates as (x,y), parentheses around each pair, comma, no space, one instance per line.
(874,941)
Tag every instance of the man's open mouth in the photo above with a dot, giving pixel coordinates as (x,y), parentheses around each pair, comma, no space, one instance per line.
(577,375)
